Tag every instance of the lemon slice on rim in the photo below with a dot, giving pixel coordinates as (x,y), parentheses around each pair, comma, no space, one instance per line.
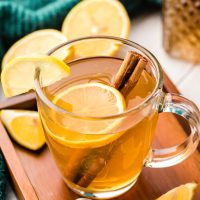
(18,75)
(38,43)
(24,127)
(96,17)
(183,192)
(93,99)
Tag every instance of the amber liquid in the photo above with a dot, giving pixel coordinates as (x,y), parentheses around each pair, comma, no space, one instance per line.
(96,163)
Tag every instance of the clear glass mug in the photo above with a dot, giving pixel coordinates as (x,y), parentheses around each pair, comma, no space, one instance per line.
(107,164)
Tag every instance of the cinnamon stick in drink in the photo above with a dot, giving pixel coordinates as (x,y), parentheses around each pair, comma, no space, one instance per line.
(91,166)
(134,77)
(125,70)
(125,80)
(129,72)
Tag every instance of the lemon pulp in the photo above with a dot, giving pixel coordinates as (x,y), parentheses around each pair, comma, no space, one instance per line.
(24,127)
(183,192)
(37,43)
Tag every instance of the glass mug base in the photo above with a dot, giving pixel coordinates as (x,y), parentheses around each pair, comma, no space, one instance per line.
(101,194)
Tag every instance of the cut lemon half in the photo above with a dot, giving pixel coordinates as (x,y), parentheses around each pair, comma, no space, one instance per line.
(183,192)
(18,75)
(24,127)
(96,17)
(89,99)
(38,43)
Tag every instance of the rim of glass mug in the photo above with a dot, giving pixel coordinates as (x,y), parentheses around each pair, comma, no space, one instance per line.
(148,54)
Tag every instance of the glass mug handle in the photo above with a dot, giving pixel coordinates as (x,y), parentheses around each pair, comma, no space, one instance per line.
(167,157)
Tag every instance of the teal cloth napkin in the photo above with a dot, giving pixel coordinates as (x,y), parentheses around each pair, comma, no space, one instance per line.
(20,17)
(2,178)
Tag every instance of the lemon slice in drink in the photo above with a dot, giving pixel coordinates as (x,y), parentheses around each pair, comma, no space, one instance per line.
(24,127)
(97,99)
(18,75)
(183,192)
(96,17)
(37,43)
(89,99)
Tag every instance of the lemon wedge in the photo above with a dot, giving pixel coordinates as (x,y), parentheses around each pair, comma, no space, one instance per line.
(18,75)
(96,17)
(183,192)
(92,99)
(37,43)
(24,127)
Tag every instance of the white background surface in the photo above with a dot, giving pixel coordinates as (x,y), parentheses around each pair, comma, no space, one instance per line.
(147,31)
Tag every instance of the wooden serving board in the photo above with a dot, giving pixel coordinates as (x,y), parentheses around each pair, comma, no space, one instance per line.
(36,177)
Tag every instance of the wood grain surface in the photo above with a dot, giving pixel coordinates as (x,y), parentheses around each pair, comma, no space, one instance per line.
(21,181)
(36,176)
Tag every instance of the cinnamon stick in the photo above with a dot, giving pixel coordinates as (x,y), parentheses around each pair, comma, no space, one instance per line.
(92,165)
(133,79)
(129,72)
(125,70)
(125,80)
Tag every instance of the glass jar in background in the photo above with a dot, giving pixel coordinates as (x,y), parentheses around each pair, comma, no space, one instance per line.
(181,19)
